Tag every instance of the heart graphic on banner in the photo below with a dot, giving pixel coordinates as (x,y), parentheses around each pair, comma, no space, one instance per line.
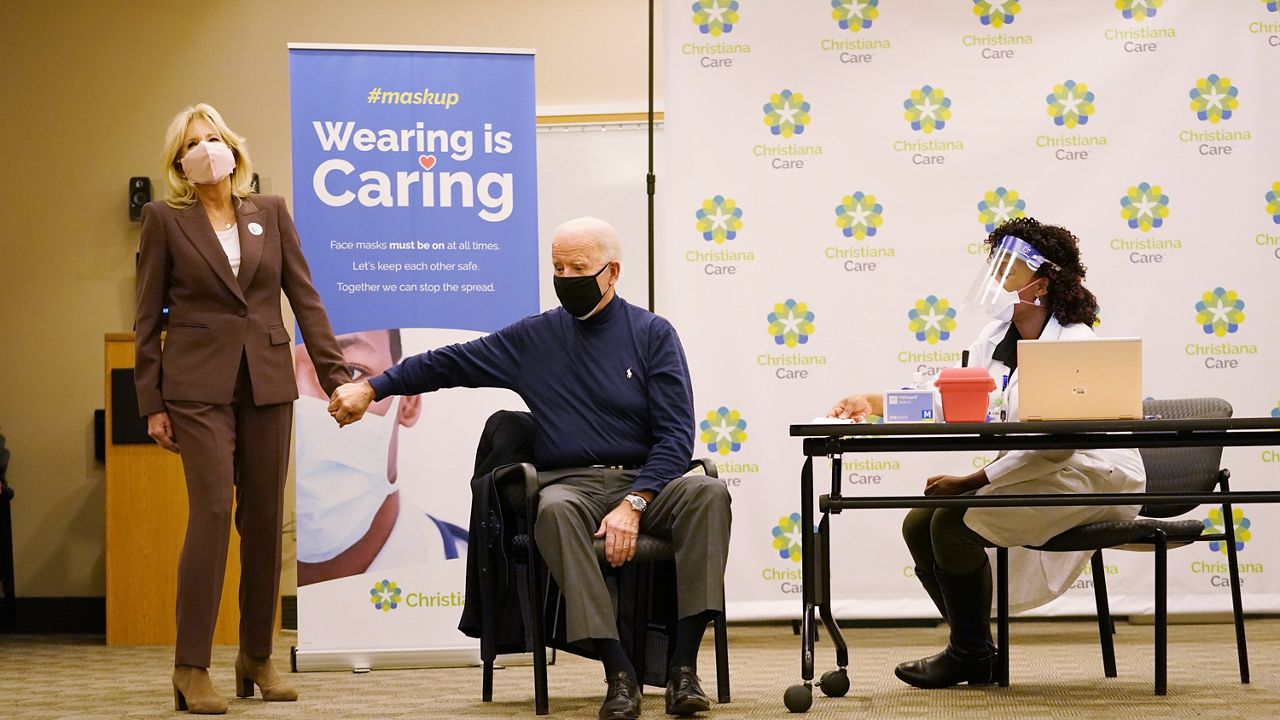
(427,161)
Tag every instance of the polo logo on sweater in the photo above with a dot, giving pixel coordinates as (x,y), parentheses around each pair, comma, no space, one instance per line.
(628,373)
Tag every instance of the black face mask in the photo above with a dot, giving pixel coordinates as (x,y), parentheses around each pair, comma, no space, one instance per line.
(579,295)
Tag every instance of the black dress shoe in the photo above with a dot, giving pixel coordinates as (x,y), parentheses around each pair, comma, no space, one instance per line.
(684,693)
(622,699)
(946,669)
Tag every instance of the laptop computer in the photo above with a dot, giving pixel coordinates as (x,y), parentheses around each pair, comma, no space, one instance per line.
(1086,379)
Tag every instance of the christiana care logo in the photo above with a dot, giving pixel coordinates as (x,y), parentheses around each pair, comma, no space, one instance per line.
(855,15)
(995,13)
(1138,10)
(932,319)
(1070,104)
(787,538)
(719,219)
(1214,524)
(1220,312)
(723,431)
(859,215)
(791,323)
(385,596)
(786,113)
(1144,206)
(715,17)
(999,206)
(1273,202)
(927,109)
(1213,99)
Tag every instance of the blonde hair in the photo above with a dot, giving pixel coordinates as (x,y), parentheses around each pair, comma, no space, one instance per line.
(182,193)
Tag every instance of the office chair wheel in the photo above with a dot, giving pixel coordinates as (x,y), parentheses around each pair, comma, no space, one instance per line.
(834,683)
(798,698)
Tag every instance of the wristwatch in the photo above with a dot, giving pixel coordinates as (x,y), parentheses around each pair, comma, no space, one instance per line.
(638,503)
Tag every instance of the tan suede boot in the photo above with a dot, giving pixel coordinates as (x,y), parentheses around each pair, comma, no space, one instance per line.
(193,691)
(253,671)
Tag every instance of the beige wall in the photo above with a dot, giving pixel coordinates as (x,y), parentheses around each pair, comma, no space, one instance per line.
(86,90)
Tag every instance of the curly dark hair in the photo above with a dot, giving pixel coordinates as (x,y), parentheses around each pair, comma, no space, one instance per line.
(1067,298)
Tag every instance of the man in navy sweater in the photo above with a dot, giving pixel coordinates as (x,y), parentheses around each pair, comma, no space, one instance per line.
(613,409)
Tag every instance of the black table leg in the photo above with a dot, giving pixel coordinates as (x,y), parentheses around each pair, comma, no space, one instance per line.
(798,698)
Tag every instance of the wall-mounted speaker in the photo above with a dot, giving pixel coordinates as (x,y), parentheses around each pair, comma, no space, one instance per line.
(139,195)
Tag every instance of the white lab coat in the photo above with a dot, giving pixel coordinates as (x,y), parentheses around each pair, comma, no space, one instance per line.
(1036,577)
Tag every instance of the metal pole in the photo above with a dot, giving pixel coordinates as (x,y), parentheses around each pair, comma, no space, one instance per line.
(650,180)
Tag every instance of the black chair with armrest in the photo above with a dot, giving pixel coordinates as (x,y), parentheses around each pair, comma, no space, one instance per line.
(641,589)
(6,542)
(1192,469)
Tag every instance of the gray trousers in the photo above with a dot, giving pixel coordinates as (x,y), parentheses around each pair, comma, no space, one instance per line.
(692,512)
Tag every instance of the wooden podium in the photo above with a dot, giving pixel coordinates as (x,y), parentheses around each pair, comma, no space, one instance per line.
(146,518)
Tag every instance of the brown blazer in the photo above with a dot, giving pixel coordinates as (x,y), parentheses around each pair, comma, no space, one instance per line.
(215,317)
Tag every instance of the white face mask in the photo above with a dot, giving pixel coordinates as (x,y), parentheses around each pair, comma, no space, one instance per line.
(342,477)
(208,162)
(1001,306)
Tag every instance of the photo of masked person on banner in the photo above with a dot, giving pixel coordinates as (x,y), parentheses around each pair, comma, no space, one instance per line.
(351,516)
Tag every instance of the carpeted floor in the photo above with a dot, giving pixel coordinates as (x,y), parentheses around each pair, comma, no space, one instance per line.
(1056,672)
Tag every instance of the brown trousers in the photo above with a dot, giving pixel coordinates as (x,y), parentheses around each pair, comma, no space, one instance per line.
(243,449)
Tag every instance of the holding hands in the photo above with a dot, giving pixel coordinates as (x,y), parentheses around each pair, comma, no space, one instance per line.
(350,401)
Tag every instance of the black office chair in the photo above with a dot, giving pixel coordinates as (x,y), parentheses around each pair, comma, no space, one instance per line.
(645,609)
(6,542)
(1193,469)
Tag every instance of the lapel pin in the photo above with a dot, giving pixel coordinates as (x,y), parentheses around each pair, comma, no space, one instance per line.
(255,228)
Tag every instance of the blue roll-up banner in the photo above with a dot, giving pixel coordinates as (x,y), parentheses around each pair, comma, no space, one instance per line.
(414,192)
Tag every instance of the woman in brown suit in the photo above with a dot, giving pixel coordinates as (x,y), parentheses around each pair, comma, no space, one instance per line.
(222,387)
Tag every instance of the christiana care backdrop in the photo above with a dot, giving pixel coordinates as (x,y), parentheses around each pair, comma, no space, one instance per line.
(834,167)
(415,197)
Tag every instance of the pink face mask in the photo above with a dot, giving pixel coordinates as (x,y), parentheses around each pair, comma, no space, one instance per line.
(208,162)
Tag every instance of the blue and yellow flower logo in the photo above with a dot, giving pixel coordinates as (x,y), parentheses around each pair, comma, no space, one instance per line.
(791,323)
(787,538)
(1272,5)
(1214,525)
(385,596)
(1275,411)
(1070,104)
(996,13)
(932,319)
(855,15)
(786,113)
(1144,206)
(928,109)
(1273,202)
(715,17)
(1220,312)
(723,431)
(1138,10)
(1000,206)
(859,215)
(1214,98)
(719,219)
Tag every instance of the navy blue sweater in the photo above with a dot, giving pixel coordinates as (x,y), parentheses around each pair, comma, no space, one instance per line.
(609,390)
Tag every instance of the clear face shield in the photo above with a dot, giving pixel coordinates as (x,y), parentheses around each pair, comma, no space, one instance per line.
(1012,258)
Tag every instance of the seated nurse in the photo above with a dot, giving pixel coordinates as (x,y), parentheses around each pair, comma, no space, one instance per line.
(1032,287)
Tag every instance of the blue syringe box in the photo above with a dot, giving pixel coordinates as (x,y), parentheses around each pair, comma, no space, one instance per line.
(904,406)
